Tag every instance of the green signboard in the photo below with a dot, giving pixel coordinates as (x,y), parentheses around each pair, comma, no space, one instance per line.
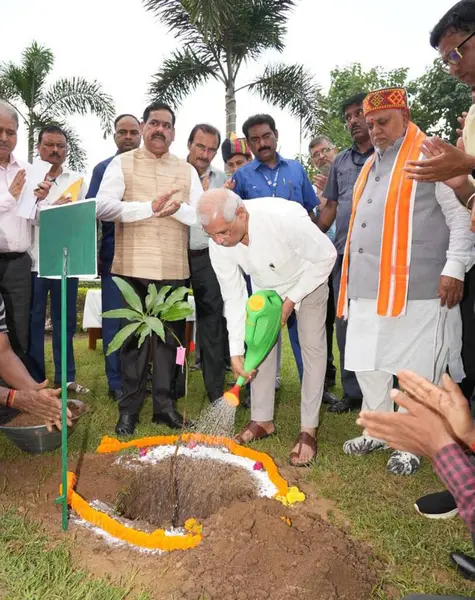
(71,227)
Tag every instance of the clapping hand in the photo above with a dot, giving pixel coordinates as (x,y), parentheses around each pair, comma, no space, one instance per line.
(161,209)
(17,184)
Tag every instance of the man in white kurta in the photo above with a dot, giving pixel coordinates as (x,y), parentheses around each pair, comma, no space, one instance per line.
(276,243)
(405,270)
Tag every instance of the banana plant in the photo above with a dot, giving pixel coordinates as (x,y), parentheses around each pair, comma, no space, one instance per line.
(160,307)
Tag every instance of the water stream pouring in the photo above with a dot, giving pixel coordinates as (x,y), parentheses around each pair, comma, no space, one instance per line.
(263,318)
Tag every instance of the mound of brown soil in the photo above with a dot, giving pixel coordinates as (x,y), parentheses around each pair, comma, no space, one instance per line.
(247,553)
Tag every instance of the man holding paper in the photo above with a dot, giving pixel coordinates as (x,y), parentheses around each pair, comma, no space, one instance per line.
(66,186)
(15,232)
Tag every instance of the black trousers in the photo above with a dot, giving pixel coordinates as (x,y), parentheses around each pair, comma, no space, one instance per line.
(134,360)
(467,307)
(211,325)
(15,287)
(330,374)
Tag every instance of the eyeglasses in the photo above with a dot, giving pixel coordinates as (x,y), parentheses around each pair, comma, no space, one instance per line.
(454,56)
(223,235)
(321,153)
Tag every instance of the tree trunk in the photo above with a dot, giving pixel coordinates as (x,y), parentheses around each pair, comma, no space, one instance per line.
(31,139)
(230,100)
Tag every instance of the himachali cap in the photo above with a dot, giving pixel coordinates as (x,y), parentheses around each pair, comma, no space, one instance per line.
(384,99)
(234,145)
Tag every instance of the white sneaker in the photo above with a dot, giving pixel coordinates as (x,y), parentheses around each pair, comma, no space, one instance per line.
(77,388)
(403,463)
(364,444)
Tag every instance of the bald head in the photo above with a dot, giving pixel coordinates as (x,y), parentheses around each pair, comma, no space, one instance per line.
(218,202)
(223,216)
(8,131)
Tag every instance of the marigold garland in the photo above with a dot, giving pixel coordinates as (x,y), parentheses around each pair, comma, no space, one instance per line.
(158,539)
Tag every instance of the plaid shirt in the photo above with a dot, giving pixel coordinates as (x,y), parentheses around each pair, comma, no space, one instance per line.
(457,472)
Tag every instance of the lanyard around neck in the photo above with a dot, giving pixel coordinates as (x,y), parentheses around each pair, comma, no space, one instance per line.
(272,184)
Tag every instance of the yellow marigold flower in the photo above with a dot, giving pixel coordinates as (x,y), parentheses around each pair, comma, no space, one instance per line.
(293,495)
(193,526)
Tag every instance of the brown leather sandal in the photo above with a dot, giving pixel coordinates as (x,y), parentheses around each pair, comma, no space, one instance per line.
(258,433)
(304,439)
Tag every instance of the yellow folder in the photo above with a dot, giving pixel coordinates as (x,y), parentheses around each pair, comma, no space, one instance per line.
(74,190)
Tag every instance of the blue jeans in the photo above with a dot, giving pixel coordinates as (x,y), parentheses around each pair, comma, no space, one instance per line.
(40,287)
(111,300)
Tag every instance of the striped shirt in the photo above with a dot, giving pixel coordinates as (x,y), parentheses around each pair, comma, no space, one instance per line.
(3,320)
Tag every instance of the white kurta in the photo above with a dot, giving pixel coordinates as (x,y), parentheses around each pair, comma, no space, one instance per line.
(425,340)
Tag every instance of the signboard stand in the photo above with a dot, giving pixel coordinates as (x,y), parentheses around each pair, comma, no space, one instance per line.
(63,499)
(68,241)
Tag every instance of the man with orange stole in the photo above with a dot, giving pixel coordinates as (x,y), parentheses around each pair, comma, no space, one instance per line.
(409,245)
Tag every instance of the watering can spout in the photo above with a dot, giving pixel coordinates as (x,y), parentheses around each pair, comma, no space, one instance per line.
(232,395)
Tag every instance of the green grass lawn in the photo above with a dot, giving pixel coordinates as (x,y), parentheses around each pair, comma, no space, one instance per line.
(378,507)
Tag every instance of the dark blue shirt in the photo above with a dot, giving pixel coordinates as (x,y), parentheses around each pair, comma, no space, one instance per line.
(288,180)
(339,188)
(106,251)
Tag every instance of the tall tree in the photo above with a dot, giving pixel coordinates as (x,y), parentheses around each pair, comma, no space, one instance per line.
(38,103)
(218,39)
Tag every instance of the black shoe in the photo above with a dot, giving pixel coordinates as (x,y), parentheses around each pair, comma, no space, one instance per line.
(246,401)
(465,565)
(440,505)
(346,404)
(126,424)
(116,395)
(329,398)
(172,418)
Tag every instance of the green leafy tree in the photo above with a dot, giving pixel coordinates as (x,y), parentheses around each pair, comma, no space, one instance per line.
(346,82)
(40,103)
(437,99)
(218,40)
(160,307)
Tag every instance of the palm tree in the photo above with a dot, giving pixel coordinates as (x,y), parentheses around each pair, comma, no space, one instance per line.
(24,87)
(218,39)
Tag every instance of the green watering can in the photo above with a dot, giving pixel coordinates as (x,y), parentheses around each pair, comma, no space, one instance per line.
(263,319)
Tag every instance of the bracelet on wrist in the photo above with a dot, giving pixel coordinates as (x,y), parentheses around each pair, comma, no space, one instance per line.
(11,398)
(469,202)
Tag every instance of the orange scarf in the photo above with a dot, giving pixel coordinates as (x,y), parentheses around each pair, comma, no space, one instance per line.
(396,243)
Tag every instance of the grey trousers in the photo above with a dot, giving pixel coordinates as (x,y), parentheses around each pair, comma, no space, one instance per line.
(349,381)
(311,319)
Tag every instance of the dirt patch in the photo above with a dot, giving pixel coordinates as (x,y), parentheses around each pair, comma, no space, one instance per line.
(248,551)
(198,489)
(25,420)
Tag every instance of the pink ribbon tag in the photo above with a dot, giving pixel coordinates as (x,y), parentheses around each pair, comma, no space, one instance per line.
(180,355)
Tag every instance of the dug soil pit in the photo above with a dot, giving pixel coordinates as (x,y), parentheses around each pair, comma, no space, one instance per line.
(172,491)
(252,548)
(24,420)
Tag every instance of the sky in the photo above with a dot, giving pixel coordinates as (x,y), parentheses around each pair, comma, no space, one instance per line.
(120,44)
